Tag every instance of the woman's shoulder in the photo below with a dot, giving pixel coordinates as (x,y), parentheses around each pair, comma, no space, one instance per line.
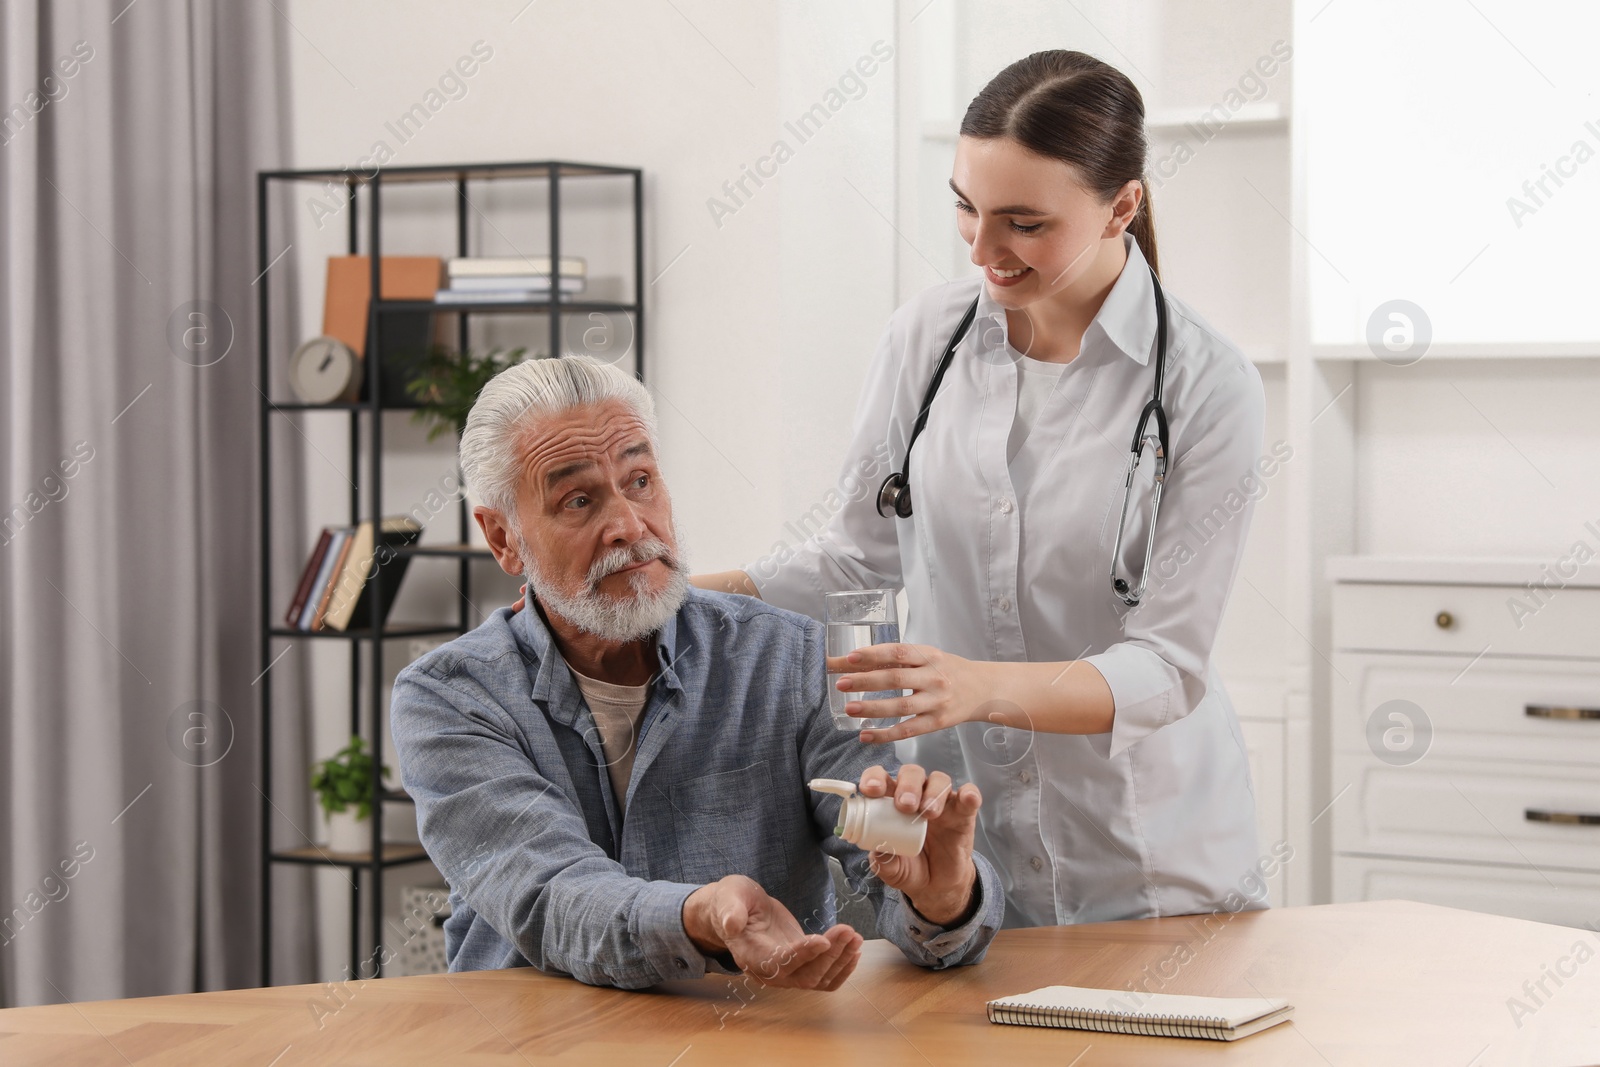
(934,312)
(1205,364)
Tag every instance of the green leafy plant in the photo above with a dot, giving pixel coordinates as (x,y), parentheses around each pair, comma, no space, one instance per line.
(345,779)
(449,383)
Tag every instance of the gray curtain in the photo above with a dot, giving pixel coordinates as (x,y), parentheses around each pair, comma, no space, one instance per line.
(129,609)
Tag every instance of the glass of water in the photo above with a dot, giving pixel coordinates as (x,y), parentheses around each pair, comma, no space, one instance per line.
(855,619)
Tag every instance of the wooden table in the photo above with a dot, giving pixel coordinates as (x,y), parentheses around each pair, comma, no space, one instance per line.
(1377,983)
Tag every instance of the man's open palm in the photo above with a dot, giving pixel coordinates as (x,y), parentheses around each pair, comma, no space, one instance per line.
(736,915)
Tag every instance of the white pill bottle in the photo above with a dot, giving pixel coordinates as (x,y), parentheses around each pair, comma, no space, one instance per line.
(874,823)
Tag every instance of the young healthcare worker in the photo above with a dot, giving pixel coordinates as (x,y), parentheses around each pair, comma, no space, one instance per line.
(1077,693)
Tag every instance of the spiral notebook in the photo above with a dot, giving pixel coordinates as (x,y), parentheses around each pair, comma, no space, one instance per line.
(1118,1011)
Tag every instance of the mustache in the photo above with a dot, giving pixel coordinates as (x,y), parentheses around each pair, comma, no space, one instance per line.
(642,551)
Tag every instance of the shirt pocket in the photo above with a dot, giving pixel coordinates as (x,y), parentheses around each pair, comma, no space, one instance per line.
(724,826)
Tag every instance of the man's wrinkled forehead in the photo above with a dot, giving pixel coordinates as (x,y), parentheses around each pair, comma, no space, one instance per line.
(557,447)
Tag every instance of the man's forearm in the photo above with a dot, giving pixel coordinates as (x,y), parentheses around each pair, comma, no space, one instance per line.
(700,925)
(631,934)
(949,907)
(697,922)
(930,943)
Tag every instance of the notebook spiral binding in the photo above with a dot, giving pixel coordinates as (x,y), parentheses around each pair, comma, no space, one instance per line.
(1111,1022)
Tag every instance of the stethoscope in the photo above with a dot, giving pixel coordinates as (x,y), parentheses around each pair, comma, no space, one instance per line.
(895,493)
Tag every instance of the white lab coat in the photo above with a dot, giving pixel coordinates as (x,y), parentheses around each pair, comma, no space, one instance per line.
(1010,562)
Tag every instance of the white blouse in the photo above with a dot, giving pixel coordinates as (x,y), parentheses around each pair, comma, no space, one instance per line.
(1010,561)
(1034,386)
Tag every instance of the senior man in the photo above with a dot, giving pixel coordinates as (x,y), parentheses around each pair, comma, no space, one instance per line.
(613,778)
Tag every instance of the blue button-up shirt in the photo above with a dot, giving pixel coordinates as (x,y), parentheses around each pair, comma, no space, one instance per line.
(515,806)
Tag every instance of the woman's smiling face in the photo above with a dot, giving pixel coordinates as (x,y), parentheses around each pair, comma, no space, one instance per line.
(1023,212)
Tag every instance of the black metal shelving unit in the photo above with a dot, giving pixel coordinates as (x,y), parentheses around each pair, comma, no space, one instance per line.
(369,866)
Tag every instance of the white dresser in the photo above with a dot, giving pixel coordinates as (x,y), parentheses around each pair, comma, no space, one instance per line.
(1466,735)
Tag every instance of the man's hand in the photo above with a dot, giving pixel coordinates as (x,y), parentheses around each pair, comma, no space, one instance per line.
(735,915)
(941,879)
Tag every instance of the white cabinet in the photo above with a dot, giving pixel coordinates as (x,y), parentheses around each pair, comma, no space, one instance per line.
(1466,742)
(1561,897)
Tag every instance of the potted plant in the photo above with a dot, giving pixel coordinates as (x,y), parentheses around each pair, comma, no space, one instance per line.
(447,385)
(343,785)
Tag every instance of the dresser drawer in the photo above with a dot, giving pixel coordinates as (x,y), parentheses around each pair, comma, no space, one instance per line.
(1478,708)
(1466,619)
(1554,897)
(1511,814)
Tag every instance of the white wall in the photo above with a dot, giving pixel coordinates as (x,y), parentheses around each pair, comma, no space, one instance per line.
(1477,458)
(788,293)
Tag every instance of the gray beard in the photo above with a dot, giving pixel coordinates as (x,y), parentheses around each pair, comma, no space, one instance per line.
(610,619)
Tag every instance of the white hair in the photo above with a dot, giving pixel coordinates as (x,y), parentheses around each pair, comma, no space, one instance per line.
(527,391)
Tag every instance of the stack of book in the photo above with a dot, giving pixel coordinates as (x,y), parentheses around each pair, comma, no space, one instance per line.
(335,590)
(481,280)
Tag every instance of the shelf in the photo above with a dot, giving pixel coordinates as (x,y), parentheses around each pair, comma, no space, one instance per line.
(301,405)
(358,405)
(460,172)
(1447,570)
(359,194)
(394,854)
(1262,115)
(404,629)
(454,551)
(1255,116)
(1360,353)
(523,306)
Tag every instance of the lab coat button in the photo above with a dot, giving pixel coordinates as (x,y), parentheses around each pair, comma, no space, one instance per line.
(1024,777)
(1004,603)
(1005,507)
(1036,863)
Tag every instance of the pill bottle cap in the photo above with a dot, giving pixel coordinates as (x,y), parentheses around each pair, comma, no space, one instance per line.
(834,786)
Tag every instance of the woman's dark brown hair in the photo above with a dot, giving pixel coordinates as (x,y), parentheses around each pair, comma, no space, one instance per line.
(1075,108)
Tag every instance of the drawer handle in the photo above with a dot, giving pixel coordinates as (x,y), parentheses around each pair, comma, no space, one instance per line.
(1554,711)
(1565,818)
(1444,620)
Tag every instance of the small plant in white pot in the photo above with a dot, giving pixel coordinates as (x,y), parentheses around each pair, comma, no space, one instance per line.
(343,786)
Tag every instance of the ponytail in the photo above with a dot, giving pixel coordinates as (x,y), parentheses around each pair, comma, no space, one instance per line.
(1143,228)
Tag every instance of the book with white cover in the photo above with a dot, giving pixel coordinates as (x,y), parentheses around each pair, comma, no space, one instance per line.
(571,266)
(1119,1011)
(493,296)
(531,282)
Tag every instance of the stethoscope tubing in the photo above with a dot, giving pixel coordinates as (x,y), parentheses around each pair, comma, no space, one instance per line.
(895,493)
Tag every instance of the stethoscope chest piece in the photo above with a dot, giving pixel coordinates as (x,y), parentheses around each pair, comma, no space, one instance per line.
(894,497)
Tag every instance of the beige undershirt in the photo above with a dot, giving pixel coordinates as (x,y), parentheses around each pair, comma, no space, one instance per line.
(616,710)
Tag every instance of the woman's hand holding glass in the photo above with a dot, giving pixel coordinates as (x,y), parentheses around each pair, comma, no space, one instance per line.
(946,689)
